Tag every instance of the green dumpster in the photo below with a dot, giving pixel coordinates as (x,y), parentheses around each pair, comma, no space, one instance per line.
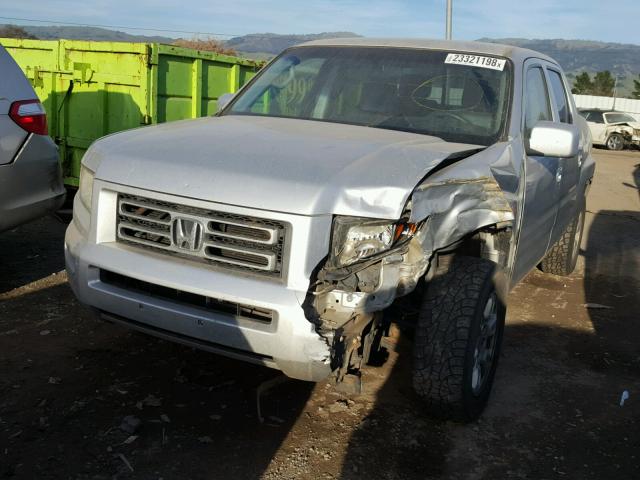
(91,89)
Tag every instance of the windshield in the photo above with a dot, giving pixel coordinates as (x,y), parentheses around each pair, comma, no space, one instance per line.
(619,117)
(413,90)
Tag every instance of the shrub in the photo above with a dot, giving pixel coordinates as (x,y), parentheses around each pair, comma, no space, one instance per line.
(209,45)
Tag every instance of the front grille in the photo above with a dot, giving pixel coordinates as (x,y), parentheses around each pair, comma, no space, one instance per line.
(262,315)
(220,239)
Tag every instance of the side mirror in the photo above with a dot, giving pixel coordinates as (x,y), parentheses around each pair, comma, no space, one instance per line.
(224,99)
(550,139)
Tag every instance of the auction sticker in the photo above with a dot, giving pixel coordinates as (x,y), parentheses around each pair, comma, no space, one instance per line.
(476,61)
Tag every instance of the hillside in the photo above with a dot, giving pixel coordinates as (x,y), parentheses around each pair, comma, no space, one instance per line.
(581,54)
(577,56)
(272,43)
(54,32)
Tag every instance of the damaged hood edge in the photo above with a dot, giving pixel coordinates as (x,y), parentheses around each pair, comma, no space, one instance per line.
(634,125)
(275,164)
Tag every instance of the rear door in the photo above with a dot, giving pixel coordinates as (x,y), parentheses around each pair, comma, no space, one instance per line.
(568,168)
(13,86)
(597,126)
(541,185)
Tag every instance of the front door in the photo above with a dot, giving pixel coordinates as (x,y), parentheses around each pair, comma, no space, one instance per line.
(597,126)
(540,176)
(569,174)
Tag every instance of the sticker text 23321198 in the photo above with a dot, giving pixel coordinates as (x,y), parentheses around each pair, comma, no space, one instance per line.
(475,61)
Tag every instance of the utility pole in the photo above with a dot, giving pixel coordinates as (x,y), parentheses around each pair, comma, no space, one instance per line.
(615,93)
(449,15)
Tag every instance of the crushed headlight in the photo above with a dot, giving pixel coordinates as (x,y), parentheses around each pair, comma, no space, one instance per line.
(85,186)
(355,239)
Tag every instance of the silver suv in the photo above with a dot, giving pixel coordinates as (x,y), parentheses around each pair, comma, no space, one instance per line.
(30,178)
(348,176)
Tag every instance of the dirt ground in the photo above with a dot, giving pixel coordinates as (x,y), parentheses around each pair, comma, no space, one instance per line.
(71,386)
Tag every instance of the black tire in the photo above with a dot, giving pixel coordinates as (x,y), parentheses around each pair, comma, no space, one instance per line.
(450,325)
(615,142)
(562,257)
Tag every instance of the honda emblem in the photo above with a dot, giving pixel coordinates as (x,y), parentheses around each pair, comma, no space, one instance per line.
(187,234)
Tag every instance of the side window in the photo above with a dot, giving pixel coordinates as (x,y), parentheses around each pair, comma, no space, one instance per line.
(596,117)
(536,97)
(560,96)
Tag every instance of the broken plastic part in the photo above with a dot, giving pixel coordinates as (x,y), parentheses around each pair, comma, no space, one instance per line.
(459,198)
(456,208)
(465,197)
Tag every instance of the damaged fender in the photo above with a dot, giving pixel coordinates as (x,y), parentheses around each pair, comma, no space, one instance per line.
(467,196)
(455,200)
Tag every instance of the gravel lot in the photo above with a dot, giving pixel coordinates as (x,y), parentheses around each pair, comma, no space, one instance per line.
(71,386)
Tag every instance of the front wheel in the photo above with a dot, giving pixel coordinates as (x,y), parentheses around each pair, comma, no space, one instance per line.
(615,142)
(458,339)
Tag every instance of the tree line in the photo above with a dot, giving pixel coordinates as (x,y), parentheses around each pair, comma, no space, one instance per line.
(602,84)
(13,31)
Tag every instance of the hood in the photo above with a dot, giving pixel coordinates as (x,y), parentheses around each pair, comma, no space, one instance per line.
(293,166)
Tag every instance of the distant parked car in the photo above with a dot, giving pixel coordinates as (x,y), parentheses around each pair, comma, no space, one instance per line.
(614,130)
(30,177)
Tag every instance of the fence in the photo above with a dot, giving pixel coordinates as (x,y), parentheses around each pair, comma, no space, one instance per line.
(627,105)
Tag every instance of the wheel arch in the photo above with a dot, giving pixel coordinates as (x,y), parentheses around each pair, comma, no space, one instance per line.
(625,136)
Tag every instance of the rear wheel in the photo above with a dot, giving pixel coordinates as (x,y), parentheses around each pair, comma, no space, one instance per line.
(562,257)
(458,339)
(615,142)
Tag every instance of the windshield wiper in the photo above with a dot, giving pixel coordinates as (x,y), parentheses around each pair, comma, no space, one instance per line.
(404,129)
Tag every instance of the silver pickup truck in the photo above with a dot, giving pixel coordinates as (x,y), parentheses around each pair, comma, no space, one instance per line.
(348,176)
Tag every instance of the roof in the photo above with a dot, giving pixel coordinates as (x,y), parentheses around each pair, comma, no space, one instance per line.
(509,51)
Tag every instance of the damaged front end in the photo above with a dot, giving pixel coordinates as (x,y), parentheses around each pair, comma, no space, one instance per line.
(630,135)
(374,262)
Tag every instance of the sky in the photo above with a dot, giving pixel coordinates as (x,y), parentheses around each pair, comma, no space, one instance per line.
(569,19)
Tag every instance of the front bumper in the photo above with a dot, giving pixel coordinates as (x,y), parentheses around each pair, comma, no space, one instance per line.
(289,342)
(31,186)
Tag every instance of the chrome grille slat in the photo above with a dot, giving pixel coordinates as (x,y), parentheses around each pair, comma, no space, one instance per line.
(272,233)
(122,204)
(146,219)
(142,242)
(225,240)
(269,257)
(145,229)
